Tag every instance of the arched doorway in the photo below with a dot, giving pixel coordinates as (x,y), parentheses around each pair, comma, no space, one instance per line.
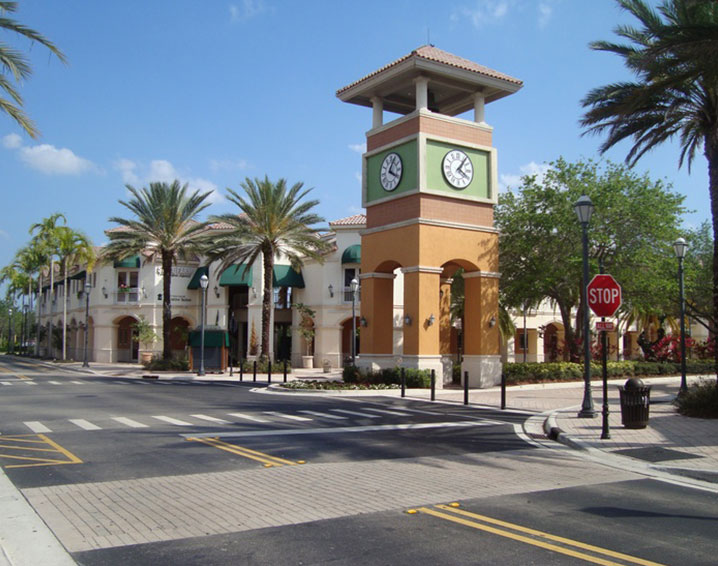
(179,332)
(554,348)
(347,338)
(127,344)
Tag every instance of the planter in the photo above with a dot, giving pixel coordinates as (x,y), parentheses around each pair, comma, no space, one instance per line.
(145,357)
(307,362)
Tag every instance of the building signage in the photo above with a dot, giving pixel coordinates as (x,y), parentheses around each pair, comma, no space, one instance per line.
(178,271)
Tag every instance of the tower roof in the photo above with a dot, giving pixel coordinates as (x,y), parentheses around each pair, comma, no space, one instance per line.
(453,81)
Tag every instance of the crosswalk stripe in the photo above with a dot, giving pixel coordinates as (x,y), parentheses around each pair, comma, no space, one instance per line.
(248,417)
(325,415)
(82,423)
(78,382)
(421,411)
(36,426)
(170,420)
(210,419)
(355,413)
(386,412)
(5,382)
(285,416)
(129,422)
(54,383)
(27,382)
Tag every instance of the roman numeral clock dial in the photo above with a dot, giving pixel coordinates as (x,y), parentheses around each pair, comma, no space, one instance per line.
(458,169)
(391,170)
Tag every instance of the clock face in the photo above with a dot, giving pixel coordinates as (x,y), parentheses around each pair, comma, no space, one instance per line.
(391,169)
(458,169)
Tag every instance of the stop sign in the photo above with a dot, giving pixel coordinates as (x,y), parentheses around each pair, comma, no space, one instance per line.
(604,295)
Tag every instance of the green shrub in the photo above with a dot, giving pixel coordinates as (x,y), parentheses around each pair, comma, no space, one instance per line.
(415,378)
(700,401)
(333,385)
(263,366)
(158,364)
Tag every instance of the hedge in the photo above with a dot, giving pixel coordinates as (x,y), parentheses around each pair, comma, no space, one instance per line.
(415,378)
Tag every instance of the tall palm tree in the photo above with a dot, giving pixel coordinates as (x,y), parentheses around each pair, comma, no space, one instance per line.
(46,237)
(33,258)
(72,248)
(13,63)
(272,222)
(675,94)
(166,227)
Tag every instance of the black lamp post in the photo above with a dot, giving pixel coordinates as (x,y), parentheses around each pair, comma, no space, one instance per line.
(23,339)
(680,246)
(584,209)
(354,285)
(10,345)
(203,282)
(85,362)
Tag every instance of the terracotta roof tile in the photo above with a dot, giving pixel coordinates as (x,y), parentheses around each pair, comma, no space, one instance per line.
(356,220)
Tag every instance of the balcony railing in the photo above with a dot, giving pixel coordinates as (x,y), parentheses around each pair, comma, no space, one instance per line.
(348,295)
(127,295)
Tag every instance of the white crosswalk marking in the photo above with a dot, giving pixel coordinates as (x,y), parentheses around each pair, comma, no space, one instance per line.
(54,383)
(355,413)
(248,417)
(325,415)
(29,382)
(170,420)
(285,416)
(386,412)
(129,422)
(78,382)
(82,423)
(5,382)
(36,427)
(420,411)
(210,419)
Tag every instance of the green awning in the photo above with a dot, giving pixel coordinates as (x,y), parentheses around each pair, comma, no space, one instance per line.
(285,276)
(236,275)
(80,275)
(352,254)
(131,262)
(212,338)
(194,283)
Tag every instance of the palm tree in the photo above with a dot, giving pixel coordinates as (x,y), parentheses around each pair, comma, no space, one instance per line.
(32,259)
(12,62)
(165,226)
(272,222)
(675,94)
(73,248)
(46,238)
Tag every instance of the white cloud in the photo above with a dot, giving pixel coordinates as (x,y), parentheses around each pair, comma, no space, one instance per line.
(357,176)
(53,161)
(245,10)
(484,12)
(545,11)
(358,147)
(12,141)
(127,168)
(216,165)
(511,181)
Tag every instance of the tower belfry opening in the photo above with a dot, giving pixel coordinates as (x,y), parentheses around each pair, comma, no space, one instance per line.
(429,186)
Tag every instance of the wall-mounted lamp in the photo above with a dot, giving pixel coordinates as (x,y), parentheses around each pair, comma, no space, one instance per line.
(142,290)
(492,322)
(254,292)
(407,320)
(363,322)
(331,290)
(430,320)
(104,291)
(216,291)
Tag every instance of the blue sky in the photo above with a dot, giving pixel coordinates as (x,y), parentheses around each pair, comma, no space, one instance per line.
(215,91)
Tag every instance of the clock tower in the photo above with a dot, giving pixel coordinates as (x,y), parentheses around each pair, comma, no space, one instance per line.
(429,185)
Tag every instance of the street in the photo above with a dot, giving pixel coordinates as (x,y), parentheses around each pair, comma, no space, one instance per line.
(132,471)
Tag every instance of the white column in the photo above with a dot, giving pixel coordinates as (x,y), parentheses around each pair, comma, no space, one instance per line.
(377,105)
(479,108)
(422,92)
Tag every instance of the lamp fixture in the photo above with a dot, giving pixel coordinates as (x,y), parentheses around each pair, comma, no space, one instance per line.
(216,291)
(492,322)
(407,320)
(680,246)
(331,290)
(583,208)
(430,320)
(104,291)
(363,322)
(204,282)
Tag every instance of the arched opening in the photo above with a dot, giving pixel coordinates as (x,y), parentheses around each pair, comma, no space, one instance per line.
(179,333)
(347,338)
(128,345)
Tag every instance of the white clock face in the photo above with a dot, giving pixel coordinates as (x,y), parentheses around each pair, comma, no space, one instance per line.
(391,170)
(458,169)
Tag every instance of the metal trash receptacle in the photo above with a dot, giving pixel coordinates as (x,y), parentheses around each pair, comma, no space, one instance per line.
(635,403)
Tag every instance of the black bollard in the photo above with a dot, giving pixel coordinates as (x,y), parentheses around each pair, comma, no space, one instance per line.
(466,388)
(403,383)
(503,390)
(241,369)
(255,371)
(285,371)
(269,372)
(433,385)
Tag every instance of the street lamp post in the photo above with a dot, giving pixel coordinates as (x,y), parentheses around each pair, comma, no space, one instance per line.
(23,341)
(85,362)
(11,349)
(679,247)
(354,285)
(584,208)
(203,282)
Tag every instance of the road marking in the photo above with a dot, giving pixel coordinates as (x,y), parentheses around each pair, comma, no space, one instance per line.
(421,411)
(82,423)
(78,382)
(483,523)
(18,375)
(36,426)
(210,419)
(5,382)
(387,412)
(54,383)
(25,443)
(268,460)
(355,413)
(129,422)
(338,429)
(248,417)
(170,420)
(285,416)
(325,415)
(29,382)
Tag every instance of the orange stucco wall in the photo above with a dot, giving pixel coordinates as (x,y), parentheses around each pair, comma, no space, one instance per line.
(420,205)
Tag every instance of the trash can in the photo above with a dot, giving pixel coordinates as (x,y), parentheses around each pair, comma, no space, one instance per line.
(635,403)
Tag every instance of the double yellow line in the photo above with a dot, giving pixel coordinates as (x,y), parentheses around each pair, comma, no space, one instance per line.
(532,536)
(266,459)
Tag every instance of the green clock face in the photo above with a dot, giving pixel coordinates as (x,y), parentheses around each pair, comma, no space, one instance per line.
(391,170)
(457,168)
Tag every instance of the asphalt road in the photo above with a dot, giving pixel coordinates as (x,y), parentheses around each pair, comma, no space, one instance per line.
(356,466)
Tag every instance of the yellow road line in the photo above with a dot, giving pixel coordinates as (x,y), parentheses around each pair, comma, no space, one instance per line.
(18,375)
(527,540)
(42,440)
(266,459)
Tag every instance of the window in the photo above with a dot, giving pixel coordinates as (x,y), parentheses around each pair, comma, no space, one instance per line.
(282,297)
(521,342)
(349,274)
(127,282)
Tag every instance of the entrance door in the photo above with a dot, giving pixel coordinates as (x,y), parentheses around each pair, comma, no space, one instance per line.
(127,344)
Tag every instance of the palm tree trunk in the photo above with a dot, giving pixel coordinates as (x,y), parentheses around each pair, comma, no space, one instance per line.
(39,312)
(166,305)
(266,301)
(49,320)
(64,312)
(711,152)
